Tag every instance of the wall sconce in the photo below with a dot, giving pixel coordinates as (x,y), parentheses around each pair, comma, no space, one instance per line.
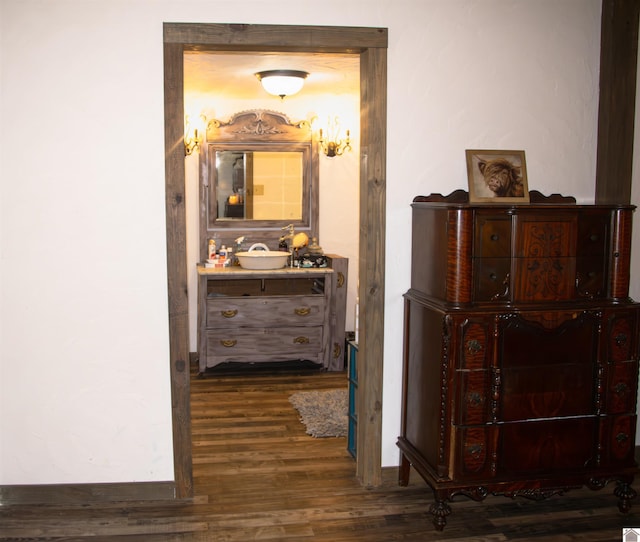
(193,136)
(332,145)
(282,82)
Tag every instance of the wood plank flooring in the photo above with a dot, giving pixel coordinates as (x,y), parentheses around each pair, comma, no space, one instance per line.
(258,476)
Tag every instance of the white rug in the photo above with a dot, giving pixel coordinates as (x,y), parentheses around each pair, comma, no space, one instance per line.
(324,412)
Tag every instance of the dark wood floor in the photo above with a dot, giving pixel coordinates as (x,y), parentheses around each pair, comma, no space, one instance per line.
(258,476)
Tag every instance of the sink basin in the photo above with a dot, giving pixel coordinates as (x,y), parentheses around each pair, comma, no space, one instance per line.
(262,259)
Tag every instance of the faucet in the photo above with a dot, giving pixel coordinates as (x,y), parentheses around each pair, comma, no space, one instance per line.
(238,248)
(289,236)
(286,242)
(238,242)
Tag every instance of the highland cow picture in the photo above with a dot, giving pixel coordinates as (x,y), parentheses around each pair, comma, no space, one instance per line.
(497,176)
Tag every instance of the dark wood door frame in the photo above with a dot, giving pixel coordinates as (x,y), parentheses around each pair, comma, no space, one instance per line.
(616,115)
(371,45)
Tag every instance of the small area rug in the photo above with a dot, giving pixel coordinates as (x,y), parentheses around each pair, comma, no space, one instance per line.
(324,412)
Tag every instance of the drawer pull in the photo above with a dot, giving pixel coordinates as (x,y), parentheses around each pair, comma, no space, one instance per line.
(475,450)
(621,339)
(474,399)
(622,437)
(621,388)
(505,292)
(301,340)
(495,237)
(340,279)
(302,311)
(228,343)
(474,346)
(230,313)
(337,350)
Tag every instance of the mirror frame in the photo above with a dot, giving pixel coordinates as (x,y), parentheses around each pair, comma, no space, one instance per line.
(257,130)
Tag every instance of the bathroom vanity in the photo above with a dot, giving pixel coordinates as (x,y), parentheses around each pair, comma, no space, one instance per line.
(272,315)
(521,350)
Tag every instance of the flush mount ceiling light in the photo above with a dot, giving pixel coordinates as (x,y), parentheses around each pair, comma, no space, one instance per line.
(282,82)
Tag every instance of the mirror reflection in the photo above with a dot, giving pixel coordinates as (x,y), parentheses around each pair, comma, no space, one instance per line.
(259,185)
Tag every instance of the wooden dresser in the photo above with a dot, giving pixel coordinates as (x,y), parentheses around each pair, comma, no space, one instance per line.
(521,350)
(278,315)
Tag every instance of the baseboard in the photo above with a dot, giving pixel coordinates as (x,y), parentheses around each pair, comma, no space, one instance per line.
(86,493)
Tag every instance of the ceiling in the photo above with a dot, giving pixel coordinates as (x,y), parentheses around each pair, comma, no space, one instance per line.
(234,73)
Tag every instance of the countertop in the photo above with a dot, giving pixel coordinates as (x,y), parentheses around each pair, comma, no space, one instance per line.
(240,271)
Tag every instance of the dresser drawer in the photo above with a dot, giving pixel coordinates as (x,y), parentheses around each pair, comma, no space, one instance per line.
(621,336)
(547,364)
(547,446)
(593,233)
(473,397)
(491,279)
(492,236)
(272,311)
(545,260)
(590,277)
(621,387)
(265,286)
(474,342)
(618,440)
(474,452)
(247,344)
(540,236)
(544,278)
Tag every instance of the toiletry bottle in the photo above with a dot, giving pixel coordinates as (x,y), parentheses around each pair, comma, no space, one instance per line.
(212,249)
(222,254)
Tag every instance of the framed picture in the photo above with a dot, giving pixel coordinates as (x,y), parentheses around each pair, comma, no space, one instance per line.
(497,176)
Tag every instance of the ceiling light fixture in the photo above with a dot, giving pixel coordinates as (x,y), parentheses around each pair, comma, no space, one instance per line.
(282,82)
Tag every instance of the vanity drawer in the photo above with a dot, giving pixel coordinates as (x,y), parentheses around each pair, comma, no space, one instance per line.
(260,344)
(272,311)
(244,287)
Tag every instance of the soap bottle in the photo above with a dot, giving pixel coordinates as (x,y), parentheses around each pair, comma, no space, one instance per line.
(222,254)
(229,261)
(212,249)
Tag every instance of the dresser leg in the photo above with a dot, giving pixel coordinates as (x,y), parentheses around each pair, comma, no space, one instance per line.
(625,494)
(403,472)
(440,510)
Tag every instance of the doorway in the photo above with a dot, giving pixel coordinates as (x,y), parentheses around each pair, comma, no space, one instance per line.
(371,45)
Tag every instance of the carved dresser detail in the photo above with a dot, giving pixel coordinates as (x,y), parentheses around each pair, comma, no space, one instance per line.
(521,350)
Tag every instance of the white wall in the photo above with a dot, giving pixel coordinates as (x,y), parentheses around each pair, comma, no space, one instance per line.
(84,377)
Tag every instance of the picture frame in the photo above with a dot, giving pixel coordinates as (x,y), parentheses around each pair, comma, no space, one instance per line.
(497,176)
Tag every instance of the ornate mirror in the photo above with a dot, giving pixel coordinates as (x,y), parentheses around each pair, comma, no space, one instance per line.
(259,173)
